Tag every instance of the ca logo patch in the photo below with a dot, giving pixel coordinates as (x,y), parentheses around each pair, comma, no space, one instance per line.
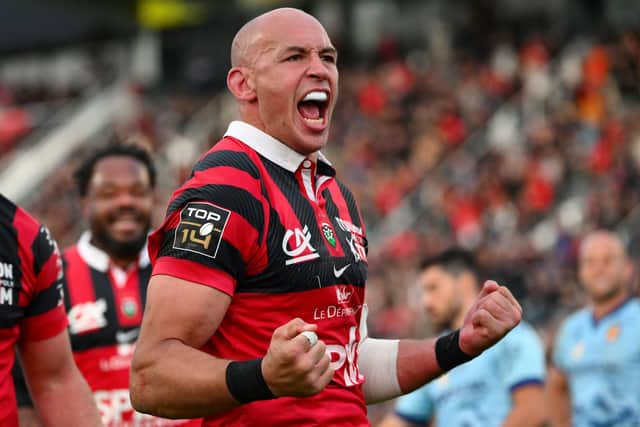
(200,229)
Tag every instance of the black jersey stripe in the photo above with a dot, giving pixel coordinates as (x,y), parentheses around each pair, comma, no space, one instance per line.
(235,159)
(10,238)
(229,197)
(45,300)
(42,249)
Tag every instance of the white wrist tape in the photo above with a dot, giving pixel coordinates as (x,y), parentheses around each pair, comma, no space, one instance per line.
(377,361)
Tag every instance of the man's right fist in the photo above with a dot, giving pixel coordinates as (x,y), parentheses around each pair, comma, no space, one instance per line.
(293,365)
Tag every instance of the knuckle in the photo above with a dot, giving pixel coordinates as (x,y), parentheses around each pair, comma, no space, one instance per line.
(304,364)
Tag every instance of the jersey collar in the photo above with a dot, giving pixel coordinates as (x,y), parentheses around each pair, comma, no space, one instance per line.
(97,259)
(617,308)
(269,147)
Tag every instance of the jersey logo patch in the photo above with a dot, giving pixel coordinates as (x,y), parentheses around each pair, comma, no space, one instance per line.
(200,229)
(297,245)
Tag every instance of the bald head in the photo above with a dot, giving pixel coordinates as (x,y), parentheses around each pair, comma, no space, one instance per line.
(251,38)
(602,240)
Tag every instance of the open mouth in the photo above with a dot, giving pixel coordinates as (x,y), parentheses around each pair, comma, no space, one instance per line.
(313,107)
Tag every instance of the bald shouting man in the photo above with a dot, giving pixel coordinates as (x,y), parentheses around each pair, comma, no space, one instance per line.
(255,311)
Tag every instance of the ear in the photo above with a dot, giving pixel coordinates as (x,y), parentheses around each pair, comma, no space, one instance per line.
(240,84)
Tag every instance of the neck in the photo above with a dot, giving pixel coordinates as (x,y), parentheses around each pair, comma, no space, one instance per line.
(123,263)
(602,308)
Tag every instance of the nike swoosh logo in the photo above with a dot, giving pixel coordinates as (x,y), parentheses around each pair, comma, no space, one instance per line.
(127,337)
(341,271)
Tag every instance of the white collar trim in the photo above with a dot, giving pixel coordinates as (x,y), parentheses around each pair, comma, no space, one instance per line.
(268,146)
(98,259)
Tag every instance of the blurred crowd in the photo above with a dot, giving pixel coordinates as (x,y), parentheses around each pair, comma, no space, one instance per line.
(514,157)
(38,91)
(513,151)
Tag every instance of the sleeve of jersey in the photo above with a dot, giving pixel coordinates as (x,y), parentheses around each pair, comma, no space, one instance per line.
(211,243)
(45,315)
(522,358)
(415,407)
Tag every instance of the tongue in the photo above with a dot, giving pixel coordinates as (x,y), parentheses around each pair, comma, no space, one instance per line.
(309,110)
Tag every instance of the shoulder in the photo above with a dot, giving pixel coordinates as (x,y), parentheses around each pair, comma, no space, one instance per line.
(34,239)
(27,227)
(522,336)
(573,322)
(346,192)
(231,153)
(523,331)
(228,175)
(634,306)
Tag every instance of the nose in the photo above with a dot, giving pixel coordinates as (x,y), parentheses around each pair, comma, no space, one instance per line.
(125,199)
(317,67)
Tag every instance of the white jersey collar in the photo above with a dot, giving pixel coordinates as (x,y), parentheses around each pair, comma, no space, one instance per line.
(267,146)
(98,259)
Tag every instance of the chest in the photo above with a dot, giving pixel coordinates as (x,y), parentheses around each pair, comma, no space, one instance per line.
(103,308)
(314,238)
(612,347)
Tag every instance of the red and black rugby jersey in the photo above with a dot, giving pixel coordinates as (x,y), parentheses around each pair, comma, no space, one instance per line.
(283,237)
(30,293)
(105,305)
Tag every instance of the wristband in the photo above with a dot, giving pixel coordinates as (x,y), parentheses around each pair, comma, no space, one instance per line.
(448,352)
(246,383)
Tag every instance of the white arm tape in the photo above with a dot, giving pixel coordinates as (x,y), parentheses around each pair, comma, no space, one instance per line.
(377,361)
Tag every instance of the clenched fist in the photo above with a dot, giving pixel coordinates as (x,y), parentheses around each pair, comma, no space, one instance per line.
(494,313)
(292,365)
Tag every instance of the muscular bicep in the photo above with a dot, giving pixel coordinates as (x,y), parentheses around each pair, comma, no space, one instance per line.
(181,310)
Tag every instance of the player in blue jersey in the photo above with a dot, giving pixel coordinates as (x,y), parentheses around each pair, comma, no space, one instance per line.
(595,377)
(501,387)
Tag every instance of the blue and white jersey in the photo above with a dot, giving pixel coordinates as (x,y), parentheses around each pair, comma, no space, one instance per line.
(601,360)
(478,393)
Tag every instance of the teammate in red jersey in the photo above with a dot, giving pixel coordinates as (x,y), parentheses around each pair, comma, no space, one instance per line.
(262,246)
(106,277)
(32,316)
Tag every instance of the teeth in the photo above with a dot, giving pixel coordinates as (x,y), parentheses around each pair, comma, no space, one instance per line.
(316,95)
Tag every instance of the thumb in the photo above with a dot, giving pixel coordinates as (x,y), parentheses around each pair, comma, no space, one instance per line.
(488,287)
(293,327)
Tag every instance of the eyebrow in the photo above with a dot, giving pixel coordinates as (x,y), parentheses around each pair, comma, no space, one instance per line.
(300,49)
